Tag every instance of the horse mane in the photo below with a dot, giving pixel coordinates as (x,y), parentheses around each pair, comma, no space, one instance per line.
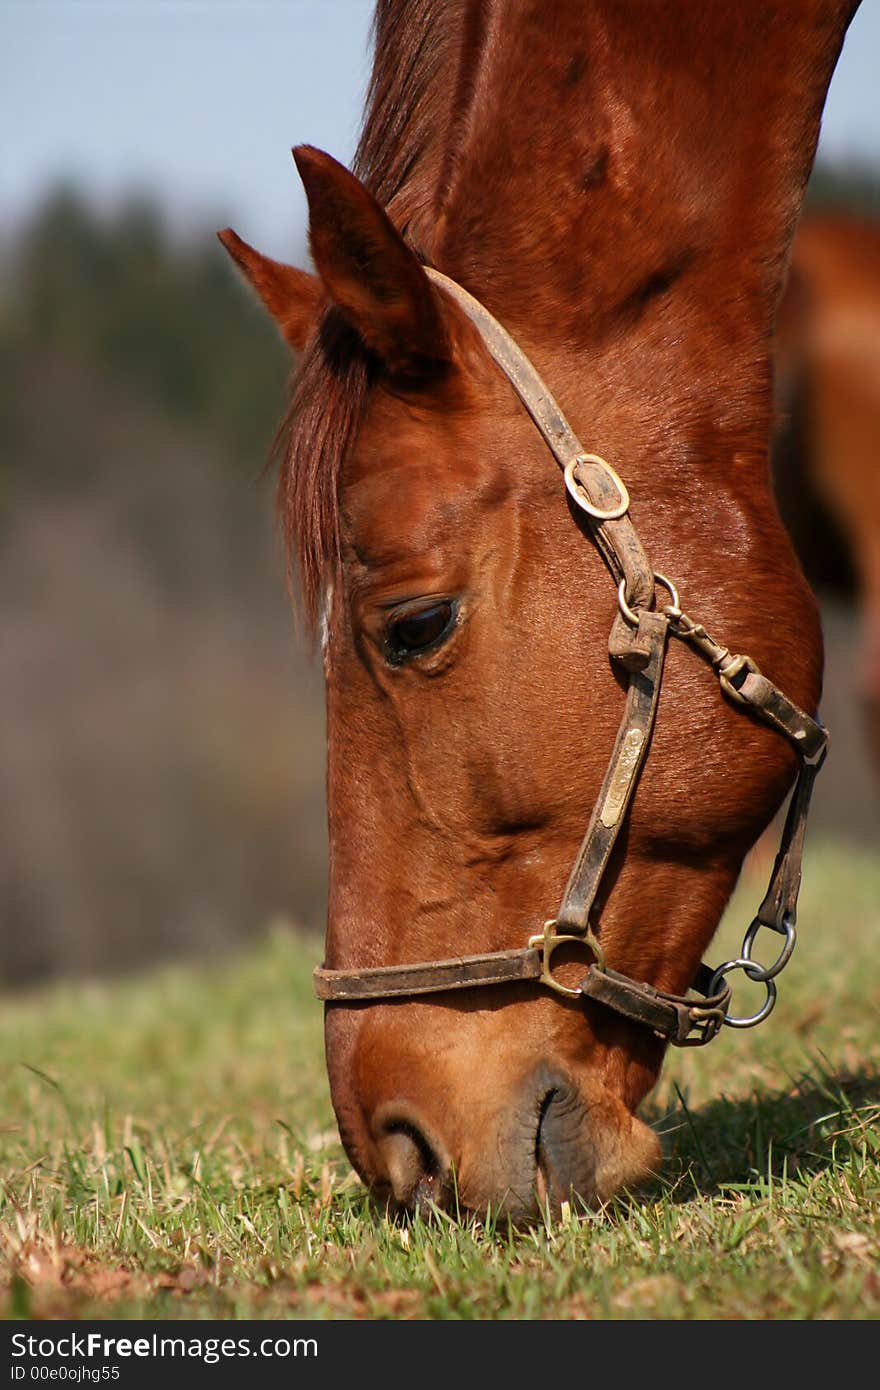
(405,108)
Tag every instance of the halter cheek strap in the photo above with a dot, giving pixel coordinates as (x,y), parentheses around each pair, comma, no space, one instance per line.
(638,641)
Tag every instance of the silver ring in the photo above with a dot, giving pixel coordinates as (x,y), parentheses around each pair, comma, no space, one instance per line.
(747,1020)
(763,973)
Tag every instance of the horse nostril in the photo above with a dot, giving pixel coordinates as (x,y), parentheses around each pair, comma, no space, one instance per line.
(558,1142)
(414,1169)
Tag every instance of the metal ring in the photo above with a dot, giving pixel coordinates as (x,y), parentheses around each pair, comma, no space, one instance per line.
(767,972)
(579,493)
(673,609)
(632,617)
(749,1020)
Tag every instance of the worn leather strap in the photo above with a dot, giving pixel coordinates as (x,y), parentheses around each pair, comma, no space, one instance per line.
(612,803)
(617,539)
(428,977)
(672,1016)
(745,684)
(767,700)
(780,902)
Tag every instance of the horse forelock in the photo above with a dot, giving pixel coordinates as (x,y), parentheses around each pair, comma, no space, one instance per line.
(408,98)
(327,406)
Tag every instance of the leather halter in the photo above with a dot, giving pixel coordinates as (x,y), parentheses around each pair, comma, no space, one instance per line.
(638,641)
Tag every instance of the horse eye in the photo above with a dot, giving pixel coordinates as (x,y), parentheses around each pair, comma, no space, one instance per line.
(414,632)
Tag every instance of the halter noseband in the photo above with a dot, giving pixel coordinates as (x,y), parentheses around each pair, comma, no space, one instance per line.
(638,641)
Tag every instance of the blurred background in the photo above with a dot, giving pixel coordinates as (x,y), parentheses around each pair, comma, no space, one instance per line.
(161,727)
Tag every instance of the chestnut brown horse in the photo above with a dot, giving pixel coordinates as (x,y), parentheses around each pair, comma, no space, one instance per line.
(828,380)
(618,184)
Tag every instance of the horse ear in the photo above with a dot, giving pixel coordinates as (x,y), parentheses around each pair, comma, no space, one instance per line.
(368,269)
(293,297)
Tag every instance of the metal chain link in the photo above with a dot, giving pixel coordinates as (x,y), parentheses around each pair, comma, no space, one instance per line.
(760,974)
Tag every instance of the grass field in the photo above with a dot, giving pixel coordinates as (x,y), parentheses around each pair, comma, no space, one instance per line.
(167,1149)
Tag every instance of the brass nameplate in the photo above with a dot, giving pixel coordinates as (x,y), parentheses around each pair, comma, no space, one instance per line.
(624,771)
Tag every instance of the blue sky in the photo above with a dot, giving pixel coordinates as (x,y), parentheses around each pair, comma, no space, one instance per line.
(200,100)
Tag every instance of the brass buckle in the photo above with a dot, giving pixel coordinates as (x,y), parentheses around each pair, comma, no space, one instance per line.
(579,494)
(548,940)
(731,668)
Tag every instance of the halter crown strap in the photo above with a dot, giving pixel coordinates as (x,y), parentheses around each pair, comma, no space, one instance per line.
(591,482)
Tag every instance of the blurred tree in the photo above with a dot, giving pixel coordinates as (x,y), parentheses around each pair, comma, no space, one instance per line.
(163,318)
(161,734)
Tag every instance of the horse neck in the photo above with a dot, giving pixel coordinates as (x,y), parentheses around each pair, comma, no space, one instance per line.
(621,182)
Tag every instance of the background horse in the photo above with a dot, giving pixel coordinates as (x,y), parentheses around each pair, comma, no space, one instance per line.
(827,478)
(619,185)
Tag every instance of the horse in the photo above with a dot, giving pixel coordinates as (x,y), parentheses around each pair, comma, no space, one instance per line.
(828,387)
(564,222)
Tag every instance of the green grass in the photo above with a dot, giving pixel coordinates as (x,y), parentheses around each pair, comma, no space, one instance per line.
(167,1149)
